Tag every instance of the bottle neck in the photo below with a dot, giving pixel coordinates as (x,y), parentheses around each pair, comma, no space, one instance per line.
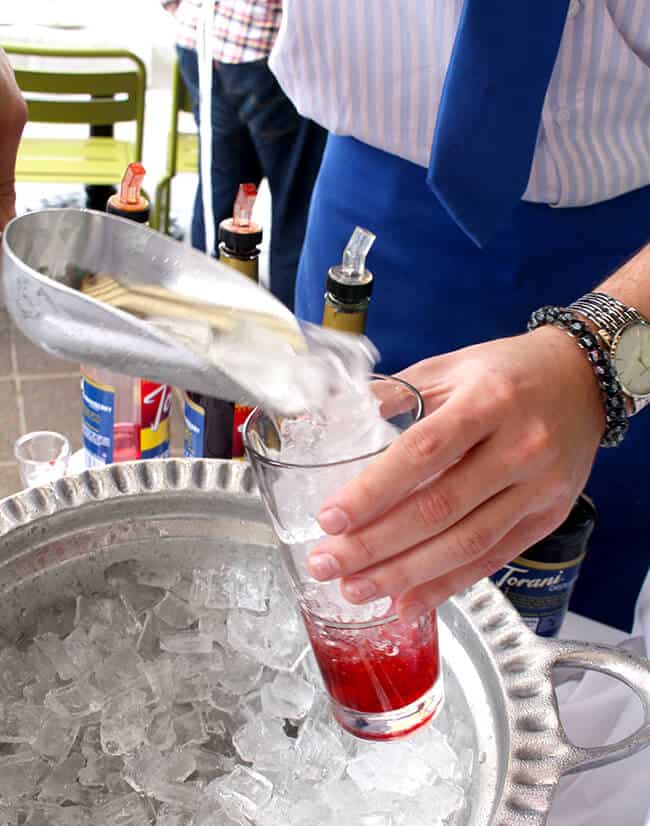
(345,317)
(248,265)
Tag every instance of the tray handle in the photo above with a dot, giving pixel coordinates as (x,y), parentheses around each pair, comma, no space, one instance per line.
(622,666)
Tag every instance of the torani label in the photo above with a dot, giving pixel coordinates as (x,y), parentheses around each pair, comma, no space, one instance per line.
(540,591)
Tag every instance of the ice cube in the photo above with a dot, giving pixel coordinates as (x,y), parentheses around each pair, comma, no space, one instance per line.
(50,814)
(161,733)
(275,639)
(435,751)
(308,812)
(213,624)
(148,643)
(56,737)
(56,619)
(20,722)
(61,783)
(190,728)
(185,642)
(224,700)
(446,797)
(392,767)
(128,810)
(124,723)
(263,742)
(122,670)
(161,678)
(20,773)
(288,696)
(8,816)
(183,796)
(114,613)
(82,652)
(157,576)
(210,764)
(175,612)
(98,769)
(321,755)
(208,589)
(75,700)
(247,582)
(171,817)
(242,792)
(241,673)
(54,650)
(277,812)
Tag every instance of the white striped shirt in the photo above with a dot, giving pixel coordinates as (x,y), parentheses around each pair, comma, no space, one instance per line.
(374,69)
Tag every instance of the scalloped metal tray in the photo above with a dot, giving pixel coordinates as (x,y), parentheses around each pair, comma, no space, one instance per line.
(57,540)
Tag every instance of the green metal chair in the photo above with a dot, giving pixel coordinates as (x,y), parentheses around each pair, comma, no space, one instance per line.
(84,91)
(182,152)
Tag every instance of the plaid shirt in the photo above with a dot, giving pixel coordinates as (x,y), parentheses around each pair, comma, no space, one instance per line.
(244,30)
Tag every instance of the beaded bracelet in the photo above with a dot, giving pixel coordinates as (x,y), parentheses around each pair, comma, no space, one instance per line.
(616,422)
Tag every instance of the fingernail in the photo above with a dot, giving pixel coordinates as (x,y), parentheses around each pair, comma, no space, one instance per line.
(333,521)
(324,566)
(360,590)
(412,610)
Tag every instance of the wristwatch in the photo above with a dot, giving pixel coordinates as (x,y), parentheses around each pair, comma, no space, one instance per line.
(626,333)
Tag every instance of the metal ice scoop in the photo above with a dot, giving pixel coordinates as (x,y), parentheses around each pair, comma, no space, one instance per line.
(153,307)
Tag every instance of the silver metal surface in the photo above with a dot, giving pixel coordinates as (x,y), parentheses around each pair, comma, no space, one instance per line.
(44,250)
(57,540)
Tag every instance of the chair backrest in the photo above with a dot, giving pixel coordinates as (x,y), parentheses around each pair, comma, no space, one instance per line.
(84,90)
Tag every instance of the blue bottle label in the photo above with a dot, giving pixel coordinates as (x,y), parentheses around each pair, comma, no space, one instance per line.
(98,417)
(540,591)
(193,441)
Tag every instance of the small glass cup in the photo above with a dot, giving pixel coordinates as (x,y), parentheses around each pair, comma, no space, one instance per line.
(383,675)
(42,456)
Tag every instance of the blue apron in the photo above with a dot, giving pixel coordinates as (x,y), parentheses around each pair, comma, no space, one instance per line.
(435,291)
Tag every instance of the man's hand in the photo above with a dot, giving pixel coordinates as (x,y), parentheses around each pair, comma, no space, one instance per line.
(13,117)
(507,444)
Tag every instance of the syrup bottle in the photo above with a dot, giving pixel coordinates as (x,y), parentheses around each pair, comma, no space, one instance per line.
(349,286)
(539,583)
(213,426)
(124,418)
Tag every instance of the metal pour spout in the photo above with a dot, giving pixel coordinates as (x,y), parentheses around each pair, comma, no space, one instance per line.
(153,307)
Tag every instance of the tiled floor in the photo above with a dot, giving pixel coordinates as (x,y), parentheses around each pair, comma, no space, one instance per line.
(40,392)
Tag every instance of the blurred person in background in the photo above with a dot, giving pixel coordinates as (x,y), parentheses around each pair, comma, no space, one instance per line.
(13,117)
(256,131)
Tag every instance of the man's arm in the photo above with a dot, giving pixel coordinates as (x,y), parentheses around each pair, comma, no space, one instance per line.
(13,117)
(511,434)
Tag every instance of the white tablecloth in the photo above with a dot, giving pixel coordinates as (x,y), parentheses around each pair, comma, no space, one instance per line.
(599,710)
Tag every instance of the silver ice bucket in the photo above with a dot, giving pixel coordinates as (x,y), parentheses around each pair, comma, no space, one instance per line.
(56,541)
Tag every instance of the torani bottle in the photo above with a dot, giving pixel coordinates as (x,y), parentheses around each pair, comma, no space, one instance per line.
(213,426)
(539,583)
(349,286)
(124,418)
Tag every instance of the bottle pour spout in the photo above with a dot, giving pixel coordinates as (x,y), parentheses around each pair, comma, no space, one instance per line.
(355,253)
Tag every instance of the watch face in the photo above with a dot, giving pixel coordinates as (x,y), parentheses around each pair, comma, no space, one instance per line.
(631,358)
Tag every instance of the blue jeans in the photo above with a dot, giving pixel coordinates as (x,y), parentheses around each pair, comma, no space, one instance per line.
(257,133)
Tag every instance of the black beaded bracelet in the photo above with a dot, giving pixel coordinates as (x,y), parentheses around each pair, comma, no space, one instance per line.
(616,422)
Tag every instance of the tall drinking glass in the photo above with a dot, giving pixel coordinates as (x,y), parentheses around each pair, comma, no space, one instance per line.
(383,675)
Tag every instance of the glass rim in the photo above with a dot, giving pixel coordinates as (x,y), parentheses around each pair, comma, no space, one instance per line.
(64,452)
(258,411)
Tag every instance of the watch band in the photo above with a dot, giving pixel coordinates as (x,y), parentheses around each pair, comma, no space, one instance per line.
(610,316)
(607,313)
